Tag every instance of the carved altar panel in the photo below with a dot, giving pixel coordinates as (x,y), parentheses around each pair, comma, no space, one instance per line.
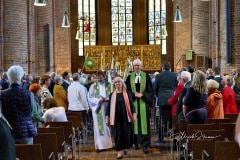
(107,57)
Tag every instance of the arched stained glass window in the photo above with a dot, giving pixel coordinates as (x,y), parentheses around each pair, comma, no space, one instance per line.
(122,22)
(86,24)
(157,23)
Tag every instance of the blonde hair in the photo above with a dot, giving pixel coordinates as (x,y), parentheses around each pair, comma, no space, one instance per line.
(121,80)
(199,82)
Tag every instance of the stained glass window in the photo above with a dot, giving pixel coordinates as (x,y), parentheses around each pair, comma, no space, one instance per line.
(86,24)
(122,22)
(157,23)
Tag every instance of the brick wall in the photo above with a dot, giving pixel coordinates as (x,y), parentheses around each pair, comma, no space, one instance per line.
(15,33)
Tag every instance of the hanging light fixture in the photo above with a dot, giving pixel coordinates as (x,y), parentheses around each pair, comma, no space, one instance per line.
(177,17)
(65,22)
(163,33)
(40,2)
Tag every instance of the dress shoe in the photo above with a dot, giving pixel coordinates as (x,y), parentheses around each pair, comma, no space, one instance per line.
(145,150)
(99,150)
(125,152)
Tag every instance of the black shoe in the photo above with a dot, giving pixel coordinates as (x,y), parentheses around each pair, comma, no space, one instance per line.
(99,150)
(136,146)
(125,152)
(145,150)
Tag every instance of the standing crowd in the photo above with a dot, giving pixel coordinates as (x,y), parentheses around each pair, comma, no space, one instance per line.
(119,108)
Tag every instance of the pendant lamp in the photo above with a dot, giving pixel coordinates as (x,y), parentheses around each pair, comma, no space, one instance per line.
(40,3)
(65,22)
(163,32)
(78,35)
(177,17)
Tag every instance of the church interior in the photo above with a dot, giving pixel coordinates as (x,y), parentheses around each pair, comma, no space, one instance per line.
(45,36)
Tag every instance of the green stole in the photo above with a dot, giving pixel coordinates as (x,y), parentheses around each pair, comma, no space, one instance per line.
(99,114)
(143,109)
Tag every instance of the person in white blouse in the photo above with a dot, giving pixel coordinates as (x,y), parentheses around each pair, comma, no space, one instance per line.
(53,113)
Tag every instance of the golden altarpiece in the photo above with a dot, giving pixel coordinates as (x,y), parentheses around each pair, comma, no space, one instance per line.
(107,57)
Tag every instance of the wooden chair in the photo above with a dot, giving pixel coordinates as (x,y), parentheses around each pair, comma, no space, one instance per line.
(69,134)
(203,148)
(199,127)
(60,135)
(232,116)
(29,152)
(192,127)
(61,143)
(78,123)
(226,150)
(68,129)
(229,129)
(216,135)
(48,143)
(217,121)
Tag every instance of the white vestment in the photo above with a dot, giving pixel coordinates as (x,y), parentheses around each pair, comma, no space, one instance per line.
(101,141)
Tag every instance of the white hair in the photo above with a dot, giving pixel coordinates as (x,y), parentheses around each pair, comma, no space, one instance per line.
(137,62)
(15,74)
(185,76)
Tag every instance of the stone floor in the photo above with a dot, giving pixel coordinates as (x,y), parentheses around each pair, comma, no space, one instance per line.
(87,152)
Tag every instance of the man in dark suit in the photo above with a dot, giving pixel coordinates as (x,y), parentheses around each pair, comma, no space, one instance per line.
(186,79)
(217,77)
(164,87)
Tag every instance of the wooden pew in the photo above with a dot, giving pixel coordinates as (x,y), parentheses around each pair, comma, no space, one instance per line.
(48,143)
(217,121)
(229,129)
(59,131)
(232,116)
(203,148)
(29,152)
(226,150)
(68,129)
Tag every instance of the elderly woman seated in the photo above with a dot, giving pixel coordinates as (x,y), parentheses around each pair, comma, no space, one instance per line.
(214,104)
(53,113)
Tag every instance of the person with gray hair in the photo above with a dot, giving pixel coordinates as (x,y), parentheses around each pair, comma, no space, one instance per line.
(214,104)
(77,97)
(186,80)
(17,107)
(140,86)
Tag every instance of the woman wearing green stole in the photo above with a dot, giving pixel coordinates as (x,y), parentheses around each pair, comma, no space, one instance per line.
(98,96)
(140,86)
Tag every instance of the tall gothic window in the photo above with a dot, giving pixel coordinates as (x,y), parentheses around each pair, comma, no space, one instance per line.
(122,22)
(157,23)
(86,24)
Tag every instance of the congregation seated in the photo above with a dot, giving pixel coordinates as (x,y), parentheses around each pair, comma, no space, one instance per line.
(53,113)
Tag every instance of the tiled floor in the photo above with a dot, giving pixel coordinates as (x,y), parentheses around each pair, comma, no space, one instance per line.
(155,152)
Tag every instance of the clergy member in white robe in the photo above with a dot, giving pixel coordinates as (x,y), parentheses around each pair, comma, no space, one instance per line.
(98,96)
